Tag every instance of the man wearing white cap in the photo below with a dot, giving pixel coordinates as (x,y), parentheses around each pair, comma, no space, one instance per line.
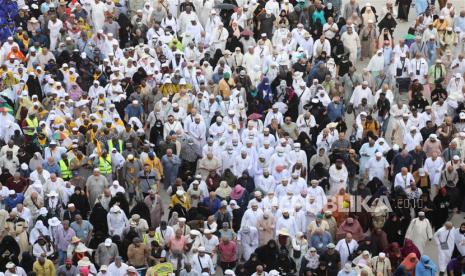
(402,66)
(377,167)
(351,40)
(106,252)
(202,262)
(274,113)
(419,68)
(54,27)
(381,264)
(211,243)
(220,33)
(445,242)
(412,138)
(361,92)
(433,166)
(286,221)
(419,231)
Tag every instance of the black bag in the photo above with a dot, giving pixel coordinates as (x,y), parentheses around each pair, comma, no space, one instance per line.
(352,255)
(296,254)
(403,84)
(350,108)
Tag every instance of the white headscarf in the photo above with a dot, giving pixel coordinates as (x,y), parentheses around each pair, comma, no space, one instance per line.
(38,230)
(385,147)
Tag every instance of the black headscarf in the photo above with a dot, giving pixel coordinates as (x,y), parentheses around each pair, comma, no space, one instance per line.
(387,23)
(268,254)
(252,263)
(9,251)
(142,210)
(122,202)
(98,212)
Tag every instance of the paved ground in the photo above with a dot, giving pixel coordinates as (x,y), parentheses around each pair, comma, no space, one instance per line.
(401,29)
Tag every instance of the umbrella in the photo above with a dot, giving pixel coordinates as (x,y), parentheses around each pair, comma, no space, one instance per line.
(6,108)
(255,116)
(59,136)
(225,6)
(246,33)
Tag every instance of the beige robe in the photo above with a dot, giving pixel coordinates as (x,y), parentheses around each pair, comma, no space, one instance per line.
(266,229)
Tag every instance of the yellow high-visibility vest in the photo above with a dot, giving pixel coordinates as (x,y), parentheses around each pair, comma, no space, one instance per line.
(105,165)
(32,125)
(65,171)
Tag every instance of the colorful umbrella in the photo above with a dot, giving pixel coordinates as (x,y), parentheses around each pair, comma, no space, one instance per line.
(246,33)
(225,6)
(5,107)
(59,136)
(255,116)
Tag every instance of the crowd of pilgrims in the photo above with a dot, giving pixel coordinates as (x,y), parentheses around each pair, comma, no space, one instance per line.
(200,137)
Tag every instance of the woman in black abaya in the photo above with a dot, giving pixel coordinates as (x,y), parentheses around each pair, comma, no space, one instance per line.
(79,199)
(268,254)
(142,210)
(389,23)
(403,9)
(232,42)
(98,212)
(9,251)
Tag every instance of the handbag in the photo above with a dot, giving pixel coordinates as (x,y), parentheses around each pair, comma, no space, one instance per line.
(351,254)
(296,253)
(444,245)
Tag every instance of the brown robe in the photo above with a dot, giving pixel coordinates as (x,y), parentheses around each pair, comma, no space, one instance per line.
(266,229)
(156,209)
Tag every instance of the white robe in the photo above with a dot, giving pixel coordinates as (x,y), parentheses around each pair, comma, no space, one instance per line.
(459,239)
(319,194)
(266,184)
(242,164)
(202,262)
(249,241)
(98,15)
(289,224)
(343,248)
(338,178)
(419,231)
(352,43)
(444,236)
(251,217)
(360,93)
(117,223)
(434,168)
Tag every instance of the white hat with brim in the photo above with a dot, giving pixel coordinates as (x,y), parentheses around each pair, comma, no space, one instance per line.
(54,222)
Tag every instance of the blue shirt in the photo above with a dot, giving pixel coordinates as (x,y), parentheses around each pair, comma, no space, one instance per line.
(10,202)
(54,168)
(82,230)
(335,111)
(212,205)
(134,111)
(320,242)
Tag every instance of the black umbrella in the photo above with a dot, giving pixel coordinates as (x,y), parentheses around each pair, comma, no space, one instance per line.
(225,6)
